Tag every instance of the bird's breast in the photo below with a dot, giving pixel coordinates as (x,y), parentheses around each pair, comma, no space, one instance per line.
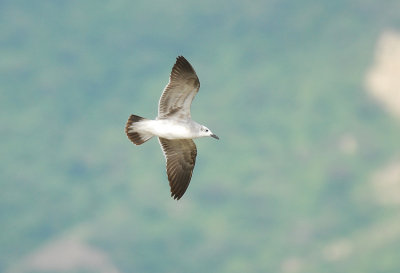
(171,129)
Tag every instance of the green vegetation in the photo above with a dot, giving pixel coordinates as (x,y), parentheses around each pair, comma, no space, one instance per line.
(282,83)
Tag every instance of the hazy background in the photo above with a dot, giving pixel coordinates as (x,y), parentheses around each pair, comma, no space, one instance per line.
(304,95)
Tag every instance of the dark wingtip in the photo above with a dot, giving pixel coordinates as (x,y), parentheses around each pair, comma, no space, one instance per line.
(176,197)
(183,63)
(181,69)
(177,193)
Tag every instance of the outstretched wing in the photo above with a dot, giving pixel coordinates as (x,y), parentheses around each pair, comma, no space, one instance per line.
(180,155)
(178,95)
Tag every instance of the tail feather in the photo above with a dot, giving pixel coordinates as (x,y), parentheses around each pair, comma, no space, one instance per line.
(133,133)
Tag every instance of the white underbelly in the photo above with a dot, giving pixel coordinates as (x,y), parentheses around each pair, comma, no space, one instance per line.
(167,129)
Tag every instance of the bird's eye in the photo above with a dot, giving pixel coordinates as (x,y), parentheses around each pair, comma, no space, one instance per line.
(206,130)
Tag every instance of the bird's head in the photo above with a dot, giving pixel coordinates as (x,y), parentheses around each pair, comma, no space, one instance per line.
(204,131)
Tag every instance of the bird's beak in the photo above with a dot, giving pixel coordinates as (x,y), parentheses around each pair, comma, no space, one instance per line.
(214,136)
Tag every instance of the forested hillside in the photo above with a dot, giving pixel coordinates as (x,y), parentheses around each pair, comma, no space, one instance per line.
(304,179)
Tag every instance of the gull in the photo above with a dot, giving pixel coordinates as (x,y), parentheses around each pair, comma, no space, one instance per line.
(173,126)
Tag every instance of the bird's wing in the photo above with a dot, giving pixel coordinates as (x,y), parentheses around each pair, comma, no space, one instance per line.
(178,95)
(180,155)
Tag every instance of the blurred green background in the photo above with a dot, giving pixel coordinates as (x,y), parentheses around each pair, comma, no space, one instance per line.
(304,96)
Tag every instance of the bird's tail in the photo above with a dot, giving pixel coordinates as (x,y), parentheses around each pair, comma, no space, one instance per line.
(133,132)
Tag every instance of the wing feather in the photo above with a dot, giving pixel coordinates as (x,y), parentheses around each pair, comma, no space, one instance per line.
(179,93)
(180,155)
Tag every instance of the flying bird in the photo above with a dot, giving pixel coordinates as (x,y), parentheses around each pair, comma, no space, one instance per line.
(173,126)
